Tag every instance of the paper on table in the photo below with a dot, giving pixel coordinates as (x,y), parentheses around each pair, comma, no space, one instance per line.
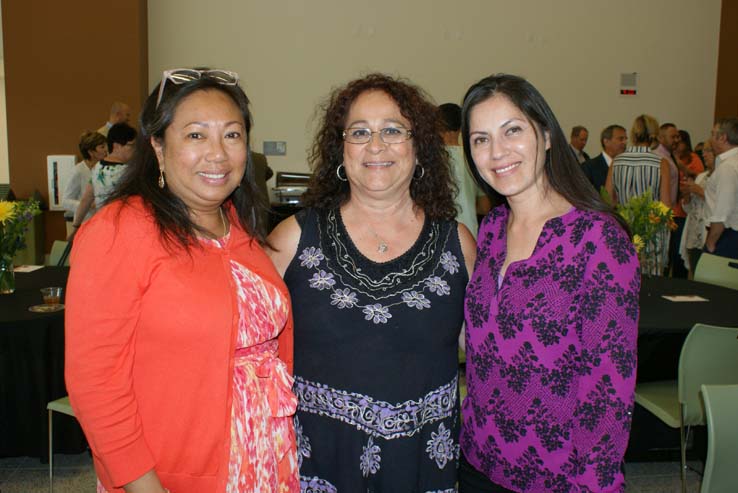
(685,298)
(27,268)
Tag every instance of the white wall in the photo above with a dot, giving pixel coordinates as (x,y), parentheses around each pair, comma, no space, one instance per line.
(290,53)
(4,166)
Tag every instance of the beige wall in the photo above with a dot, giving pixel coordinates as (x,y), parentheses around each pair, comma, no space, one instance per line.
(290,53)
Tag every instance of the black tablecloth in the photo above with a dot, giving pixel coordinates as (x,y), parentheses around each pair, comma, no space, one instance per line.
(661,316)
(32,370)
(662,329)
(664,324)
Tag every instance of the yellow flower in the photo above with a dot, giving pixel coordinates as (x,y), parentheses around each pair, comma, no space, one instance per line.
(7,211)
(653,218)
(662,208)
(638,243)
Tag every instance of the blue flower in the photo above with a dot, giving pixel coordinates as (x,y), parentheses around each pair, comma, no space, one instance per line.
(311,257)
(437,285)
(322,280)
(344,298)
(413,299)
(449,262)
(377,313)
(370,458)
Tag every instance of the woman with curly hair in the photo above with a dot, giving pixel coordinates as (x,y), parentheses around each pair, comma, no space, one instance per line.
(376,267)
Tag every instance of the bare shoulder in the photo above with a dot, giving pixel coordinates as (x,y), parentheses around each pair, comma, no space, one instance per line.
(468,247)
(283,241)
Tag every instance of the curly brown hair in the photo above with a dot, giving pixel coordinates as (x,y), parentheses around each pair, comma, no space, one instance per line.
(433,192)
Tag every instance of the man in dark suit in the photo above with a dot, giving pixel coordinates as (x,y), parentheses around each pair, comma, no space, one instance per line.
(613,140)
(577,141)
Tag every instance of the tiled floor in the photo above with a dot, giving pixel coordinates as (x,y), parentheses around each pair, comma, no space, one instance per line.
(660,477)
(74,474)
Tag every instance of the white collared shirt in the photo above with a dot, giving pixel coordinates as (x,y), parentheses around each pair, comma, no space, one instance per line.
(608,159)
(721,194)
(578,154)
(75,188)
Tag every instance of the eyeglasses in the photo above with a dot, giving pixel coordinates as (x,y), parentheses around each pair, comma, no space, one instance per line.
(183,75)
(389,135)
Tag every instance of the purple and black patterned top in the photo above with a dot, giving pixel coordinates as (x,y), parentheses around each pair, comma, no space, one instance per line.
(551,356)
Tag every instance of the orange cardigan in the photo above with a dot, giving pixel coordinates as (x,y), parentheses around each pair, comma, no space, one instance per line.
(150,339)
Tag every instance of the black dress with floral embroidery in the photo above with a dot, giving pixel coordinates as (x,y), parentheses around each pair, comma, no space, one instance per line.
(376,360)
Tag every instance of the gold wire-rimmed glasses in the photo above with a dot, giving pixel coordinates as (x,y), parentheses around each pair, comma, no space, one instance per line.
(388,135)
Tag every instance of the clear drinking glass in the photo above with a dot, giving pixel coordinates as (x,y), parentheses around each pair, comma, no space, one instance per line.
(52,295)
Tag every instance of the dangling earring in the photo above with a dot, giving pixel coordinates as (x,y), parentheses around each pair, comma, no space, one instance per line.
(161,178)
(422,171)
(338,173)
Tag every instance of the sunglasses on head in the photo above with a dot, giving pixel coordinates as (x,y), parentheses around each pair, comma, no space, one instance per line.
(179,76)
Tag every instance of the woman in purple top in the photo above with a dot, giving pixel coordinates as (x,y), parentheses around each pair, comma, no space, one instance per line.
(551,308)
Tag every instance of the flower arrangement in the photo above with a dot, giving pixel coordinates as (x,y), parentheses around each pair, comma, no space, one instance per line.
(14,220)
(650,222)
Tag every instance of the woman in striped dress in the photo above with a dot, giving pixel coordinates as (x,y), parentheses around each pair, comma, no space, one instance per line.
(638,170)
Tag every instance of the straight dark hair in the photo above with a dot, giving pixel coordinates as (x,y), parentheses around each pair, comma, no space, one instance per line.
(563,173)
(121,134)
(140,179)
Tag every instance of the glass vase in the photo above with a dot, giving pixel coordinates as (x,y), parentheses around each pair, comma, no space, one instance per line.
(652,257)
(7,277)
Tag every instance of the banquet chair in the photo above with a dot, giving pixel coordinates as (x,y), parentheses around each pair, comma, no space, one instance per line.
(708,357)
(59,255)
(713,269)
(63,406)
(721,402)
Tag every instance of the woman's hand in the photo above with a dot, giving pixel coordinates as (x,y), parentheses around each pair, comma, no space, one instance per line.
(691,188)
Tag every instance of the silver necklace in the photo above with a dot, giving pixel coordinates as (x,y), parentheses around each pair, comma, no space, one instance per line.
(382,246)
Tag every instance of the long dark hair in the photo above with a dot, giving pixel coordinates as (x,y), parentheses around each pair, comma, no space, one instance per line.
(563,173)
(140,178)
(433,192)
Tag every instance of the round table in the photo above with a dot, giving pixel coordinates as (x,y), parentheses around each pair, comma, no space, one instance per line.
(661,316)
(663,325)
(32,370)
(662,328)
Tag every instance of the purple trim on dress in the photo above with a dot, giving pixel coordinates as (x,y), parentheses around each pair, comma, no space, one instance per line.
(378,418)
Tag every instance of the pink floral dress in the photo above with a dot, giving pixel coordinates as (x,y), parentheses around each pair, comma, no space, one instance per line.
(262,454)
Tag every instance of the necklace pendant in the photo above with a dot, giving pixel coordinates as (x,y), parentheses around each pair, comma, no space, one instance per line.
(382,247)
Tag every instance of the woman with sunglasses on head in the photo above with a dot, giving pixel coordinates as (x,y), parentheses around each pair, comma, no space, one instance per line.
(551,309)
(376,267)
(180,378)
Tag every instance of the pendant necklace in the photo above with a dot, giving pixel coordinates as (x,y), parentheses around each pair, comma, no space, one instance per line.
(382,246)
